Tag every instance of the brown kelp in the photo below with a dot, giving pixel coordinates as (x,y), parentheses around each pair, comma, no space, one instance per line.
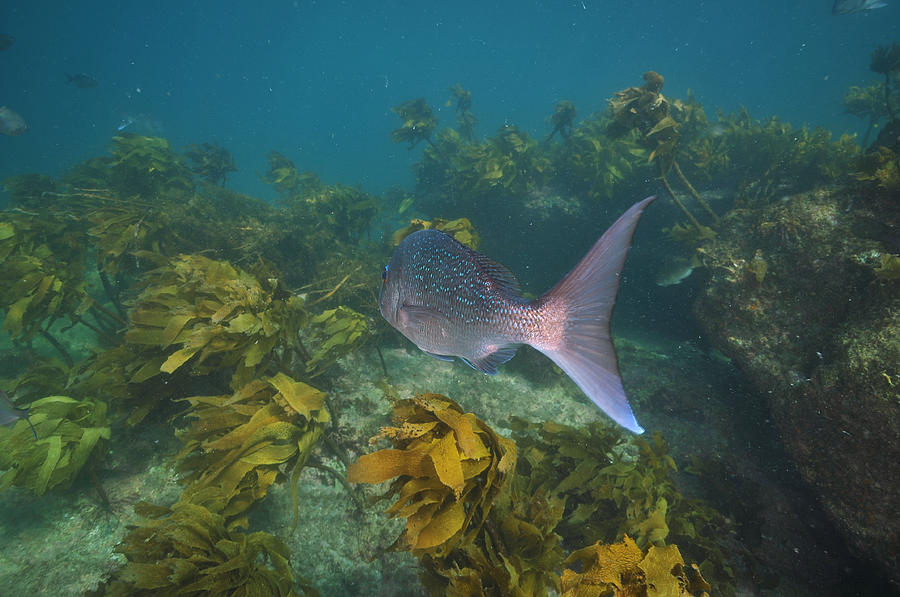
(448,467)
(461,229)
(481,525)
(623,569)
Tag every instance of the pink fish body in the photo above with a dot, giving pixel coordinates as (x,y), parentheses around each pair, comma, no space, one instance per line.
(454,302)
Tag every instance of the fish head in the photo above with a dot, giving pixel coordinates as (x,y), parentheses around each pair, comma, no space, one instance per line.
(398,280)
(390,299)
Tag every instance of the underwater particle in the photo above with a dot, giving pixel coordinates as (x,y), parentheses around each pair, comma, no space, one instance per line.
(11,123)
(6,41)
(846,7)
(453,302)
(82,80)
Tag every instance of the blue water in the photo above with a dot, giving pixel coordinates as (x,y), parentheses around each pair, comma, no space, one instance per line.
(316,80)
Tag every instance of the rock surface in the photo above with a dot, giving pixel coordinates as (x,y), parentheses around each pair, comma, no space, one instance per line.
(795,297)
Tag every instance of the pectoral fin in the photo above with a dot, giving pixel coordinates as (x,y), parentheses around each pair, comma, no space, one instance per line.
(488,364)
(418,317)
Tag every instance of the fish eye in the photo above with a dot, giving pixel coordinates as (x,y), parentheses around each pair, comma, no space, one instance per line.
(384,274)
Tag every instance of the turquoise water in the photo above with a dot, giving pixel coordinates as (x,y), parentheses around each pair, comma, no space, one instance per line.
(316,80)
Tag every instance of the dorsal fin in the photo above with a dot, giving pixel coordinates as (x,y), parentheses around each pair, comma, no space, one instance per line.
(499,273)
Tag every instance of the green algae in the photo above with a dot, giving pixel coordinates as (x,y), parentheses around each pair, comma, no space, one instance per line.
(70,434)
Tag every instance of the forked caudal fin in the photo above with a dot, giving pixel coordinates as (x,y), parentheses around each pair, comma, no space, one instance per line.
(577,311)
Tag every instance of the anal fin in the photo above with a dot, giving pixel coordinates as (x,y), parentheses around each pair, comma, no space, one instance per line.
(442,357)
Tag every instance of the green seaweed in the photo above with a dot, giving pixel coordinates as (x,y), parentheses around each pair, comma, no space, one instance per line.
(43,262)
(236,445)
(595,165)
(147,166)
(461,229)
(418,120)
(880,168)
(888,268)
(562,119)
(465,120)
(70,434)
(209,315)
(336,333)
(211,161)
(29,191)
(187,550)
(614,487)
(867,103)
(282,174)
(480,528)
(765,155)
(886,61)
(342,212)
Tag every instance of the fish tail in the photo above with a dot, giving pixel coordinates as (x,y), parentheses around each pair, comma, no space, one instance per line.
(576,314)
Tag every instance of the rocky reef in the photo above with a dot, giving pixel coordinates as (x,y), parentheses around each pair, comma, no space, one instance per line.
(802,294)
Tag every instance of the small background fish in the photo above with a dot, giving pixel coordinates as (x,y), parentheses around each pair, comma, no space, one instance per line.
(846,7)
(9,414)
(11,123)
(6,41)
(82,81)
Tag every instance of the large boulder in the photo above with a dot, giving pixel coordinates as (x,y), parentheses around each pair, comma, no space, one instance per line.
(804,296)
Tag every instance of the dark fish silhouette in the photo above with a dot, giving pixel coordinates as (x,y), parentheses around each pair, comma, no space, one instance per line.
(11,123)
(453,302)
(6,41)
(846,7)
(82,81)
(9,414)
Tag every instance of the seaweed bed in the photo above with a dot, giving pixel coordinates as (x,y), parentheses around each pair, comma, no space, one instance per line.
(206,401)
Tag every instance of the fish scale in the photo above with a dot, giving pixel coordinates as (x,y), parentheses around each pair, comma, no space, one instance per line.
(454,302)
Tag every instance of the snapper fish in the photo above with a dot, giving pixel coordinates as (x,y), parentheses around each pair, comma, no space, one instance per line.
(454,302)
(846,7)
